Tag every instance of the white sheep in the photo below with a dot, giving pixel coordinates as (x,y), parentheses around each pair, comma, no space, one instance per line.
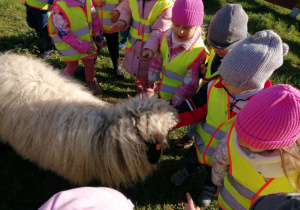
(56,123)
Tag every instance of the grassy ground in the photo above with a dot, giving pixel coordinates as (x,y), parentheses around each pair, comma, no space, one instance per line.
(25,186)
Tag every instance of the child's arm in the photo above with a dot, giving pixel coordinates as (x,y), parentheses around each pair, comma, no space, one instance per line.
(161,24)
(190,83)
(125,18)
(220,163)
(96,28)
(194,109)
(117,12)
(62,29)
(155,68)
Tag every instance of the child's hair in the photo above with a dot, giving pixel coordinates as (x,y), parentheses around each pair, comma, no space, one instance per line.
(188,12)
(203,31)
(270,120)
(293,154)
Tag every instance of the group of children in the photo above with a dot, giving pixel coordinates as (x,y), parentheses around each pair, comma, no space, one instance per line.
(246,131)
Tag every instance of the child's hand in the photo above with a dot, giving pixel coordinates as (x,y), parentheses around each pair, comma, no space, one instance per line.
(147,55)
(99,41)
(190,205)
(118,25)
(115,16)
(217,192)
(100,45)
(99,3)
(49,8)
(91,49)
(203,69)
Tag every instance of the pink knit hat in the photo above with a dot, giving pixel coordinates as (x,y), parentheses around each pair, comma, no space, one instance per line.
(188,12)
(271,119)
(98,198)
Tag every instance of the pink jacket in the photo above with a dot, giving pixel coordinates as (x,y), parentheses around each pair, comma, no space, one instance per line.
(61,27)
(191,79)
(132,63)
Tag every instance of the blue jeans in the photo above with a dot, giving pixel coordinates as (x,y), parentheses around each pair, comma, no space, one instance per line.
(37,19)
(192,163)
(124,34)
(192,130)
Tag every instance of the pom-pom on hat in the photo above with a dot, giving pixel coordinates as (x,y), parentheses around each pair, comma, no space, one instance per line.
(250,63)
(97,198)
(228,27)
(188,12)
(270,120)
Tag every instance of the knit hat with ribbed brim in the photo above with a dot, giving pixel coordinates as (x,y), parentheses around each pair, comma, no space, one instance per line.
(228,27)
(92,198)
(270,120)
(249,64)
(188,12)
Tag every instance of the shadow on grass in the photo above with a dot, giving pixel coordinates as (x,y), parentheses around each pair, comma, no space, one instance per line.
(28,42)
(159,190)
(25,186)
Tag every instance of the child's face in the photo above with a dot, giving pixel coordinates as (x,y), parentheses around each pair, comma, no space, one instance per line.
(221,53)
(183,32)
(241,143)
(232,90)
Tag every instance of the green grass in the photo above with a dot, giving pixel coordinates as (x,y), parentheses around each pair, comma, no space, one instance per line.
(25,186)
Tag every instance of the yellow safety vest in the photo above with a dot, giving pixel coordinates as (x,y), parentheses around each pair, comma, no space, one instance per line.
(211,130)
(243,184)
(172,75)
(208,74)
(39,4)
(140,28)
(105,16)
(80,25)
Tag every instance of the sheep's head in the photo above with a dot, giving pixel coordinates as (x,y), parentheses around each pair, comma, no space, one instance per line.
(138,128)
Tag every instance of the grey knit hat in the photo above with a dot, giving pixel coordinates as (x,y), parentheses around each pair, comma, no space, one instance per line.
(249,64)
(228,27)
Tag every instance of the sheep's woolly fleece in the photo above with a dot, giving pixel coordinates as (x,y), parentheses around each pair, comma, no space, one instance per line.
(56,123)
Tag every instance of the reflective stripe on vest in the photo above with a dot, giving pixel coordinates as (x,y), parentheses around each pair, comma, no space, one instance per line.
(211,130)
(105,16)
(243,184)
(208,74)
(80,26)
(140,28)
(39,4)
(174,71)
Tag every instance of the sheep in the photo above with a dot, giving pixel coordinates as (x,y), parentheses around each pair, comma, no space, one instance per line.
(55,122)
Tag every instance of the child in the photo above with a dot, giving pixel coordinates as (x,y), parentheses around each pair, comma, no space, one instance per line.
(182,53)
(71,26)
(147,21)
(261,150)
(244,72)
(36,18)
(108,12)
(227,28)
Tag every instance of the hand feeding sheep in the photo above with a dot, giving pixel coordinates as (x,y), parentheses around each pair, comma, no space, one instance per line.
(55,122)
